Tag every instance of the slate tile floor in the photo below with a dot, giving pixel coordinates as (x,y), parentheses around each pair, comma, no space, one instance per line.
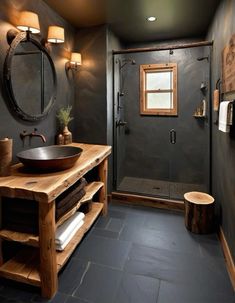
(138,255)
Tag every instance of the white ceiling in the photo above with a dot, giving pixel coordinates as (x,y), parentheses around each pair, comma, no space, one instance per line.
(127,18)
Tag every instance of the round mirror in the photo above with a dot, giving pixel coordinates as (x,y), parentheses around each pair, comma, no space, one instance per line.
(30,78)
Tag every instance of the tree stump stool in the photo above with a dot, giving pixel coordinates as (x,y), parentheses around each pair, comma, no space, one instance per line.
(199,212)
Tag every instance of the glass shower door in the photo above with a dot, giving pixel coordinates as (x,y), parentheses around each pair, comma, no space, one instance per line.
(190,153)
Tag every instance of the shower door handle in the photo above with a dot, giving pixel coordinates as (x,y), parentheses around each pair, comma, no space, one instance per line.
(172,136)
(120,123)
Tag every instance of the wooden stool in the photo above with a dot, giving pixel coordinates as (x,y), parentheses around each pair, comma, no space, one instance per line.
(199,212)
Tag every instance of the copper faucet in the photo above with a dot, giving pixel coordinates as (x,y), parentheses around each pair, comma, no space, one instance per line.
(33,134)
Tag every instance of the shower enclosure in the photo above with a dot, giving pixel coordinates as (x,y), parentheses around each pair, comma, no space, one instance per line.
(157,155)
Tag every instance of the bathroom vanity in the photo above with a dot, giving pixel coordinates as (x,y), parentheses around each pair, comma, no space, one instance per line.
(38,262)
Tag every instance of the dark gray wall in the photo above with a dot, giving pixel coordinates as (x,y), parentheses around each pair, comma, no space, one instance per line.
(9,125)
(90,81)
(94,88)
(148,152)
(223,151)
(112,44)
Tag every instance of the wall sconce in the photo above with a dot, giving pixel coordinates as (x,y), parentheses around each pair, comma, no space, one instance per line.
(75,61)
(28,22)
(55,34)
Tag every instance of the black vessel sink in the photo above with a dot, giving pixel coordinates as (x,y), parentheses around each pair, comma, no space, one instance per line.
(50,158)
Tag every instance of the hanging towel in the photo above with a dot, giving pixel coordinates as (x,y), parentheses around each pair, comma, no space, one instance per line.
(61,247)
(63,231)
(225,116)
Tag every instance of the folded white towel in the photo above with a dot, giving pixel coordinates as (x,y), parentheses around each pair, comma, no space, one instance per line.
(63,245)
(224,116)
(64,230)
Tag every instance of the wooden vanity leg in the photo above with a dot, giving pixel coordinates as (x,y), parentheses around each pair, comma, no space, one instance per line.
(48,266)
(103,176)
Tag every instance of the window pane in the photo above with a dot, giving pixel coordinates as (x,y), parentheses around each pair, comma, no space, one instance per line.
(159,100)
(159,80)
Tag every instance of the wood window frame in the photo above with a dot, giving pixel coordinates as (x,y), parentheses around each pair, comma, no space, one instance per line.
(144,69)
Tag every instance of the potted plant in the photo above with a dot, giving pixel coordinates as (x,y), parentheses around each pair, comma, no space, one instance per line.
(64,118)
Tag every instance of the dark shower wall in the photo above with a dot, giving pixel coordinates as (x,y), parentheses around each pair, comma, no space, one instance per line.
(149,153)
(10,126)
(94,88)
(223,151)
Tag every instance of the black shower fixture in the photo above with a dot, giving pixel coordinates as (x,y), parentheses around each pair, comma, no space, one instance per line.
(125,61)
(203,58)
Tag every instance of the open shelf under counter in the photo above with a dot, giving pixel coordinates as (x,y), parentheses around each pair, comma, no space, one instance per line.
(24,238)
(90,217)
(32,239)
(91,189)
(24,267)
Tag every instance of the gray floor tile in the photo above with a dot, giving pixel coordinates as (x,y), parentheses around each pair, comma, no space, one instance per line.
(17,291)
(105,251)
(105,233)
(165,221)
(179,268)
(161,239)
(117,214)
(191,293)
(99,285)
(75,300)
(71,276)
(102,222)
(137,289)
(209,245)
(115,224)
(58,298)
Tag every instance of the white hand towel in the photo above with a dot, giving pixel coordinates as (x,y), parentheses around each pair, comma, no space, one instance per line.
(224,116)
(64,230)
(62,246)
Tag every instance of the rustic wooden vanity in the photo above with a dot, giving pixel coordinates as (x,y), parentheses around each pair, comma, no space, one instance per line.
(38,263)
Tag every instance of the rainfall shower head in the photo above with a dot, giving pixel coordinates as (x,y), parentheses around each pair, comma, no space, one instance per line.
(203,58)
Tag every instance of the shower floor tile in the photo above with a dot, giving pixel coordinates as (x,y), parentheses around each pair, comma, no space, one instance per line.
(158,188)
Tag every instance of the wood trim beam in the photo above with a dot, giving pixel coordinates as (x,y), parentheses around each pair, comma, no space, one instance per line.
(149,201)
(162,47)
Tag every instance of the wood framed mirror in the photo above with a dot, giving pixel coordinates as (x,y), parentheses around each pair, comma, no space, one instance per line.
(29,78)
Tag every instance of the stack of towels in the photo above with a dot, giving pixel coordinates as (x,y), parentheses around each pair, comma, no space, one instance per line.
(67,230)
(70,198)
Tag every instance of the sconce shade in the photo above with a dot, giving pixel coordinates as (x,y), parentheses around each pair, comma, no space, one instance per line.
(76,58)
(55,34)
(28,21)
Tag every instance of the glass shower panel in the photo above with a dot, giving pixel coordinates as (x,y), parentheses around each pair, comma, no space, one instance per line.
(162,156)
(189,161)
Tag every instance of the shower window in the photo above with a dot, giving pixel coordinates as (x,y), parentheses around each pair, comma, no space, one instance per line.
(158,89)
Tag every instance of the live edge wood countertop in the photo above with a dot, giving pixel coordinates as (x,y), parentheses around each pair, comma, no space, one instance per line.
(47,186)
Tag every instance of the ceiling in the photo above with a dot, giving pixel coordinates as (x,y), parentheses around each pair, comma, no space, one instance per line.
(176,19)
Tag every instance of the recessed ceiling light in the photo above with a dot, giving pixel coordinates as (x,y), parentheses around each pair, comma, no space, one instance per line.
(151,19)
